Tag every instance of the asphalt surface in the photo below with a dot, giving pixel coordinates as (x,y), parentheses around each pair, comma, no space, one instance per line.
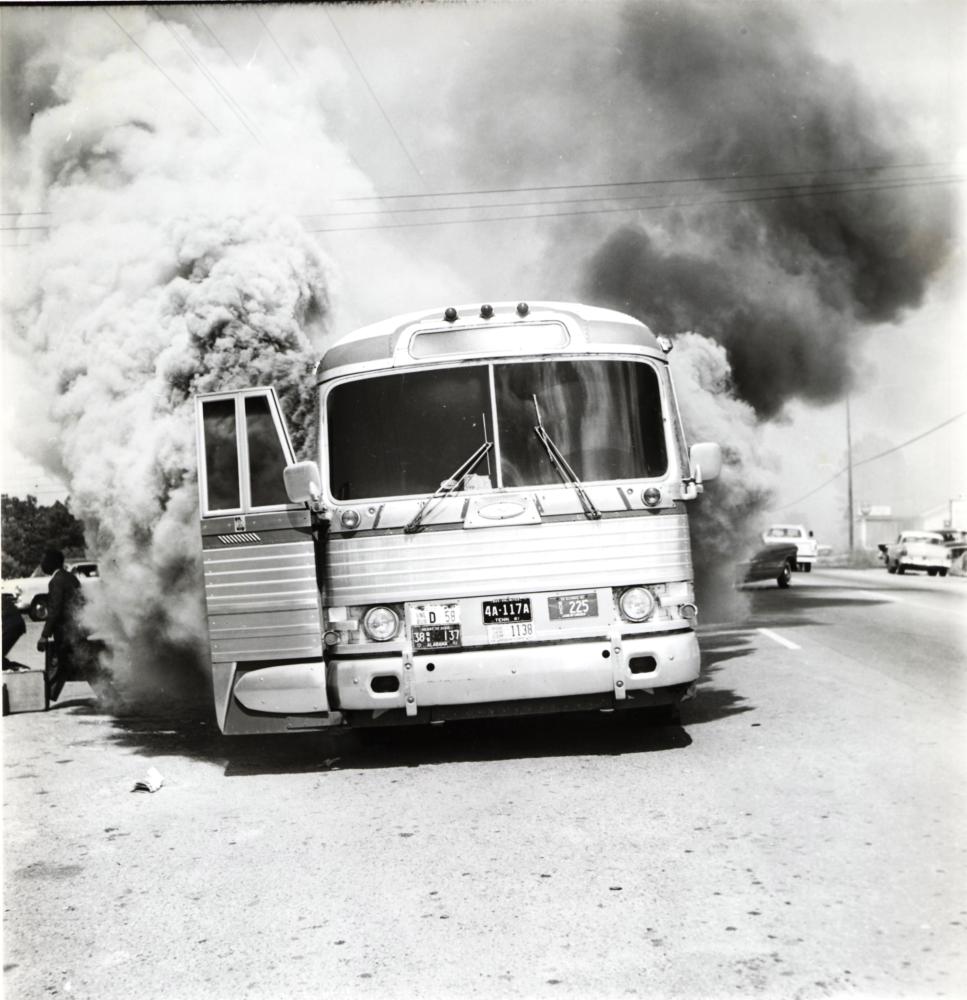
(800,835)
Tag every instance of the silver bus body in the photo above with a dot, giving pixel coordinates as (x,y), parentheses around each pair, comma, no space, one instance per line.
(371,595)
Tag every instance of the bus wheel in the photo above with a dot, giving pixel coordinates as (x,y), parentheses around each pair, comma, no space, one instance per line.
(931,572)
(38,609)
(942,572)
(785,576)
(807,567)
(899,568)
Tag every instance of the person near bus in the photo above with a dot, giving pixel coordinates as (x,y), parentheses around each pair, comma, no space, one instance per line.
(13,627)
(60,637)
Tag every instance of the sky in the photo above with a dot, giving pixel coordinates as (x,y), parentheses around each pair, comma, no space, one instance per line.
(126,125)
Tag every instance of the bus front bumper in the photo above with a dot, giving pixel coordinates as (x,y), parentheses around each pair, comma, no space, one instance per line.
(650,668)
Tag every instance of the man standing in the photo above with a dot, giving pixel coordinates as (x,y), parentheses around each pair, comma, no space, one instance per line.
(59,640)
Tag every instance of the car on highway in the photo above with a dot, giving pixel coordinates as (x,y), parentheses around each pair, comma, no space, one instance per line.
(774,561)
(926,550)
(807,548)
(30,592)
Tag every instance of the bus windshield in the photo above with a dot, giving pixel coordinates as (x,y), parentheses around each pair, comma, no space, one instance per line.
(404,432)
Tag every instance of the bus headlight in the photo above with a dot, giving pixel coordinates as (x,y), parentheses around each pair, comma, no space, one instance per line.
(636,603)
(381,624)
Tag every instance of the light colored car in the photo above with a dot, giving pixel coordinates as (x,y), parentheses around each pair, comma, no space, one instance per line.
(30,592)
(917,550)
(807,548)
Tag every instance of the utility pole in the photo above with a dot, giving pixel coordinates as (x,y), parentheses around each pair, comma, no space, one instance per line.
(849,476)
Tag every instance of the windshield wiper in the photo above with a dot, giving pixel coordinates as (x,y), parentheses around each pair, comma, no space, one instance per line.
(563,469)
(447,487)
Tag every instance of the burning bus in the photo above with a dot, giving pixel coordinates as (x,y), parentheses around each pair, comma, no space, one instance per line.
(496,524)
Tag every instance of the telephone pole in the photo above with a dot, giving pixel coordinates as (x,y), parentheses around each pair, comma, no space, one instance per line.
(849,477)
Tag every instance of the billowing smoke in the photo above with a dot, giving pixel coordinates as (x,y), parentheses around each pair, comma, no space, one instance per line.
(813,236)
(172,266)
(792,243)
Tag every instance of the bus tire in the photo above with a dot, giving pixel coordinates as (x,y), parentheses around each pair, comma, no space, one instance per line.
(890,567)
(942,572)
(38,609)
(785,576)
(807,567)
(900,568)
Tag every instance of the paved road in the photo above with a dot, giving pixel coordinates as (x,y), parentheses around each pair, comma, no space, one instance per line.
(801,834)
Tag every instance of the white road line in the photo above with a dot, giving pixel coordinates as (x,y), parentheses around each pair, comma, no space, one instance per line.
(775,637)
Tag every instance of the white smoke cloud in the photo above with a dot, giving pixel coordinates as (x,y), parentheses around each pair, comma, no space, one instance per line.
(724,521)
(175,264)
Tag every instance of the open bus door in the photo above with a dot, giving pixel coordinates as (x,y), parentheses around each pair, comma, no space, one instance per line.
(262,587)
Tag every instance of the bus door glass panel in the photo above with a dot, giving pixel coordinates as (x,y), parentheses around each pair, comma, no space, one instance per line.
(403,434)
(267,454)
(604,416)
(220,433)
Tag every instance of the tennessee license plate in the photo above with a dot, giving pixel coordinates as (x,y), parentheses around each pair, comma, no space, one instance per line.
(436,637)
(506,610)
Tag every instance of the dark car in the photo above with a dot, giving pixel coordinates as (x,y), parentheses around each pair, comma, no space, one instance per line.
(771,562)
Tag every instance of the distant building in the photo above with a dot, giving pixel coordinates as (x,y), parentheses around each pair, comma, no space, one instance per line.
(952,514)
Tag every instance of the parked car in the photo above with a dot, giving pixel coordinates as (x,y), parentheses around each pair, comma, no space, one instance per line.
(30,592)
(917,550)
(806,547)
(775,561)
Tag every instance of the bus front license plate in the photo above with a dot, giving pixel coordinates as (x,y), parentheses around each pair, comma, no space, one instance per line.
(436,637)
(506,610)
(513,632)
(572,606)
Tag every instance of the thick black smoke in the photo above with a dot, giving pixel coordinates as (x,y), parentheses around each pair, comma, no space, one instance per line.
(790,265)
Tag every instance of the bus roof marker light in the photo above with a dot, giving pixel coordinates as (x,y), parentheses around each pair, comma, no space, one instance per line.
(523,308)
(665,343)
(486,312)
(450,314)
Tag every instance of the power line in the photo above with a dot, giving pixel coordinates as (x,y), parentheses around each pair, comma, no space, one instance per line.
(804,189)
(218,41)
(275,42)
(873,458)
(708,178)
(372,94)
(641,208)
(230,101)
(160,70)
(613,184)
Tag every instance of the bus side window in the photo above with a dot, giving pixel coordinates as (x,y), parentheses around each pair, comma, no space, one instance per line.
(266,454)
(221,456)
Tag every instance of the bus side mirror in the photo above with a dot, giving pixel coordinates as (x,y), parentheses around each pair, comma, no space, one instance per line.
(303,484)
(706,461)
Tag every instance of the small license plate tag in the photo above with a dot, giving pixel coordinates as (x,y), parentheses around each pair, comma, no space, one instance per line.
(436,637)
(433,615)
(511,632)
(563,606)
(506,610)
